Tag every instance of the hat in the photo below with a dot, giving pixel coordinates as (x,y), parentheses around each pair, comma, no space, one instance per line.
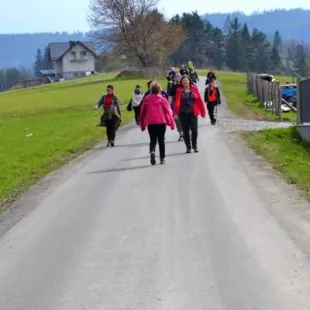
(138,86)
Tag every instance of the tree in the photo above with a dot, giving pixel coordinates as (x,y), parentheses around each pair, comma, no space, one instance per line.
(194,47)
(275,60)
(135,27)
(277,42)
(234,46)
(246,41)
(218,48)
(11,77)
(46,63)
(38,63)
(2,79)
(300,60)
(260,52)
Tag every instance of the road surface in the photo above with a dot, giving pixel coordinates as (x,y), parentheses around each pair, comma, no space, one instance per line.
(194,234)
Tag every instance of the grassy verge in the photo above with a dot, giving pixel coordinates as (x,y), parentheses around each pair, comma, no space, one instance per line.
(244,104)
(44,127)
(284,149)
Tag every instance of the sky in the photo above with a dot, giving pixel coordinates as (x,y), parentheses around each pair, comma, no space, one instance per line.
(21,16)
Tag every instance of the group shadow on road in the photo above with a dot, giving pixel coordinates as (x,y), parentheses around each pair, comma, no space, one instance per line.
(140,167)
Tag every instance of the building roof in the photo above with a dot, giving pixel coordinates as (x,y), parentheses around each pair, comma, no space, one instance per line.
(59,49)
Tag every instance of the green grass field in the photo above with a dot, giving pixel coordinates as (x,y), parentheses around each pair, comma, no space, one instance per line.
(44,127)
(241,102)
(284,149)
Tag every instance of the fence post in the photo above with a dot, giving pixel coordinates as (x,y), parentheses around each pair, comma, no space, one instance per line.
(279,100)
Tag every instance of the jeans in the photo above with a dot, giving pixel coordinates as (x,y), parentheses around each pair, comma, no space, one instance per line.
(189,123)
(179,126)
(137,114)
(111,129)
(211,107)
(157,133)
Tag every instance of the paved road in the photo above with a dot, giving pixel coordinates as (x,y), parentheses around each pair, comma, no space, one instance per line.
(117,234)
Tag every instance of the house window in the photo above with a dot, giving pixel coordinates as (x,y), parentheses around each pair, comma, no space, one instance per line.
(83,54)
(73,54)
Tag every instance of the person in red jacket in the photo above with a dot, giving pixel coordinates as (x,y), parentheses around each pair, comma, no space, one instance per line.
(188,106)
(156,114)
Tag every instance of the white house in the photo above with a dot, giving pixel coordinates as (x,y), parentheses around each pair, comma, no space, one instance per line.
(72,59)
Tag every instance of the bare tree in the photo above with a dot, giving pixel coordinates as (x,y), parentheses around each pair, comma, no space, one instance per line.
(135,27)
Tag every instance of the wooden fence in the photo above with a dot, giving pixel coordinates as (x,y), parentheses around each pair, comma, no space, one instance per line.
(268,93)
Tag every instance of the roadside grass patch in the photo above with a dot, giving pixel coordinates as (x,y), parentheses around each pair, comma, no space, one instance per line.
(287,153)
(44,127)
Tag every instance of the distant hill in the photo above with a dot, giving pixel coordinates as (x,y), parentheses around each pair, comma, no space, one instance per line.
(20,49)
(292,24)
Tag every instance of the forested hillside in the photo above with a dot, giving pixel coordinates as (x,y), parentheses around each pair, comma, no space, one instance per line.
(292,24)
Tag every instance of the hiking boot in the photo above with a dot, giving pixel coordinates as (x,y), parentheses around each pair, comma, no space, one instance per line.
(108,144)
(112,143)
(180,138)
(213,122)
(153,160)
(188,150)
(196,150)
(162,161)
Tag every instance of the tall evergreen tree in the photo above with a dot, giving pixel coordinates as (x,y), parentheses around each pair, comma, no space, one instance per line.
(38,63)
(275,60)
(246,47)
(260,60)
(277,42)
(46,64)
(234,46)
(218,48)
(300,61)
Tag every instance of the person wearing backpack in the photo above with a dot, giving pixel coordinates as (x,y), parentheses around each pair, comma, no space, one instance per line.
(193,76)
(172,95)
(212,98)
(170,79)
(112,116)
(210,77)
(135,102)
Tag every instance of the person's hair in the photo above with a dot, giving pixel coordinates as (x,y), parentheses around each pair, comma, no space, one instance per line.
(138,86)
(110,86)
(156,89)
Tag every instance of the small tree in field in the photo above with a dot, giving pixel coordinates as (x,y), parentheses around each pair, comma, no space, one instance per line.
(135,27)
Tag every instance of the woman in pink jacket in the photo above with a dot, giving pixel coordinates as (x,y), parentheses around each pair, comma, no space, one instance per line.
(156,114)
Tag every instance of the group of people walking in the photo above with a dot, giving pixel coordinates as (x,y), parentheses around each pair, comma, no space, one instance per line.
(179,107)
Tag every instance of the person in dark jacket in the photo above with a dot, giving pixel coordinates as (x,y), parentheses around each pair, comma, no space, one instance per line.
(183,71)
(111,117)
(149,91)
(170,79)
(210,76)
(193,76)
(212,98)
(172,94)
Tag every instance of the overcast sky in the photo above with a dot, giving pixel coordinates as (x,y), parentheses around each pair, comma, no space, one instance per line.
(70,15)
